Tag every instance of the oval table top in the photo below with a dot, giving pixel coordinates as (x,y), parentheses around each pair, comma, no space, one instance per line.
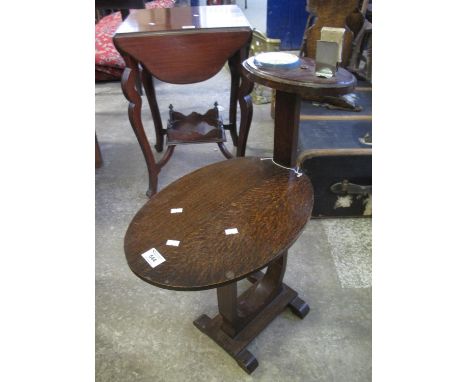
(267,204)
(301,80)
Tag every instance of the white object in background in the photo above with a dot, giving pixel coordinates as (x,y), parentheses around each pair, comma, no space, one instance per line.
(176,210)
(334,35)
(279,60)
(231,231)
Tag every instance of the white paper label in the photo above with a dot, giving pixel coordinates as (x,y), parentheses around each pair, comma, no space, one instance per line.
(174,243)
(153,257)
(231,231)
(176,210)
(188,26)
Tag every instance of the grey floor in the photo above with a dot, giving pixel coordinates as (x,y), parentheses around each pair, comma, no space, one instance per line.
(144,333)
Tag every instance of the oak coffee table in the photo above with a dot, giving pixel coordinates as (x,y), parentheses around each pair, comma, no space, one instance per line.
(216,226)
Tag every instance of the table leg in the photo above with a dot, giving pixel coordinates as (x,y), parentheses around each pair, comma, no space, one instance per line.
(97,153)
(234,66)
(150,92)
(134,115)
(242,318)
(224,150)
(287,110)
(245,102)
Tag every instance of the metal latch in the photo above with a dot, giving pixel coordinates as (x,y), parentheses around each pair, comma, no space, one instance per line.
(346,188)
(366,139)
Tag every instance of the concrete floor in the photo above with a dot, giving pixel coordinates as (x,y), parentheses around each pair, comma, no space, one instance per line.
(144,333)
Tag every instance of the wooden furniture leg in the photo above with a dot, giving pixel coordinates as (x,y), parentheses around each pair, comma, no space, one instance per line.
(129,78)
(287,110)
(242,318)
(150,92)
(245,102)
(224,150)
(97,153)
(234,66)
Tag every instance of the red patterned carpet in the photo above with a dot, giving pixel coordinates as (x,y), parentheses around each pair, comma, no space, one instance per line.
(109,64)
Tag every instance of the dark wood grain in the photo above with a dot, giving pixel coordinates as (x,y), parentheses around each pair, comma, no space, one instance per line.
(302,80)
(182,56)
(236,345)
(291,85)
(268,205)
(186,58)
(287,110)
(167,20)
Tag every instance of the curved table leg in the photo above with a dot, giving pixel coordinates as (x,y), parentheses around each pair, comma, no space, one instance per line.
(129,89)
(242,318)
(245,102)
(225,150)
(234,66)
(129,79)
(150,92)
(97,153)
(167,155)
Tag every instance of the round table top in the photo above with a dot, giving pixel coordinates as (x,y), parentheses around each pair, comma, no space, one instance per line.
(266,204)
(301,80)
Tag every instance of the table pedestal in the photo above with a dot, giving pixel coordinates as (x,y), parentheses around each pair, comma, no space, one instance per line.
(242,318)
(291,86)
(266,205)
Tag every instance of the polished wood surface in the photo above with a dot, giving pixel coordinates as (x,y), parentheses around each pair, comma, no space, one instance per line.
(302,80)
(268,205)
(155,40)
(291,85)
(186,58)
(196,128)
(179,18)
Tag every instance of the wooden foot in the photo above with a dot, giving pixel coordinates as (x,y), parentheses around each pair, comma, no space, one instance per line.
(247,361)
(299,307)
(97,153)
(242,318)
